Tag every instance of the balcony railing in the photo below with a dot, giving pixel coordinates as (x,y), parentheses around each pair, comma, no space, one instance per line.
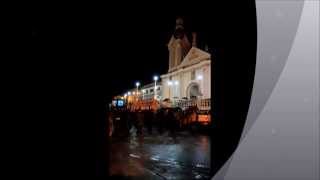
(202,104)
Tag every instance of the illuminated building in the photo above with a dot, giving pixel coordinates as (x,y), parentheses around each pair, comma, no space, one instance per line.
(189,73)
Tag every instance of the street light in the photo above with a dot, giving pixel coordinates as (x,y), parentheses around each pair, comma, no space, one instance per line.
(137,84)
(155,78)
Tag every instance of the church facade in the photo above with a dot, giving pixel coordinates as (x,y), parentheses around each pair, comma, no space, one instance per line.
(189,73)
(187,82)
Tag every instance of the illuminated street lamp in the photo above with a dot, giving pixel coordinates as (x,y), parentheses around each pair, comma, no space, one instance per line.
(137,84)
(155,78)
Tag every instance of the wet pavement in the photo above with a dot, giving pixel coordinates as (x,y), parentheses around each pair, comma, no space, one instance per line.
(160,157)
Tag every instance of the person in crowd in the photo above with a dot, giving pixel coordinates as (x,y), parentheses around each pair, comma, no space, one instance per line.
(129,120)
(124,123)
(110,123)
(178,118)
(160,119)
(135,119)
(171,122)
(139,123)
(149,120)
(116,124)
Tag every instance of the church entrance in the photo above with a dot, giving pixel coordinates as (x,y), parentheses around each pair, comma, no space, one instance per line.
(193,91)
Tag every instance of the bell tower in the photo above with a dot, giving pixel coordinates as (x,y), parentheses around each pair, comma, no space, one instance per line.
(178,46)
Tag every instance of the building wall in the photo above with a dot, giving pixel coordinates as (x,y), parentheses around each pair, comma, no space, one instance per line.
(206,81)
(184,79)
(165,89)
(150,95)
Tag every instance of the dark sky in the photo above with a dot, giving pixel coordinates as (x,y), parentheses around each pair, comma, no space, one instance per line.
(114,49)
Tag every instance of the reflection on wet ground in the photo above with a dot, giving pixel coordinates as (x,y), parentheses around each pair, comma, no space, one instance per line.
(161,157)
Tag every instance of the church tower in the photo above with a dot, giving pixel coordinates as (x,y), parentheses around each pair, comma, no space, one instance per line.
(178,46)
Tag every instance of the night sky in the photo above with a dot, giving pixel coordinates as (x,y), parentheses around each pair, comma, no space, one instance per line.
(113,50)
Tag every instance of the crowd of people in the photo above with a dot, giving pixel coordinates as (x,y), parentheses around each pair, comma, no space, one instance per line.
(123,121)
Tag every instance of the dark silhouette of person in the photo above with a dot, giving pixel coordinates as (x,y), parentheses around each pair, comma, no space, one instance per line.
(139,122)
(110,123)
(134,119)
(160,119)
(171,122)
(125,122)
(149,120)
(116,121)
(129,120)
(178,118)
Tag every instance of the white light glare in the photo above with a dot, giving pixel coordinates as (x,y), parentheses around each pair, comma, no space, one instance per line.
(155,78)
(199,77)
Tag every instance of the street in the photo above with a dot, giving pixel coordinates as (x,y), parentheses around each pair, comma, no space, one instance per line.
(160,156)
